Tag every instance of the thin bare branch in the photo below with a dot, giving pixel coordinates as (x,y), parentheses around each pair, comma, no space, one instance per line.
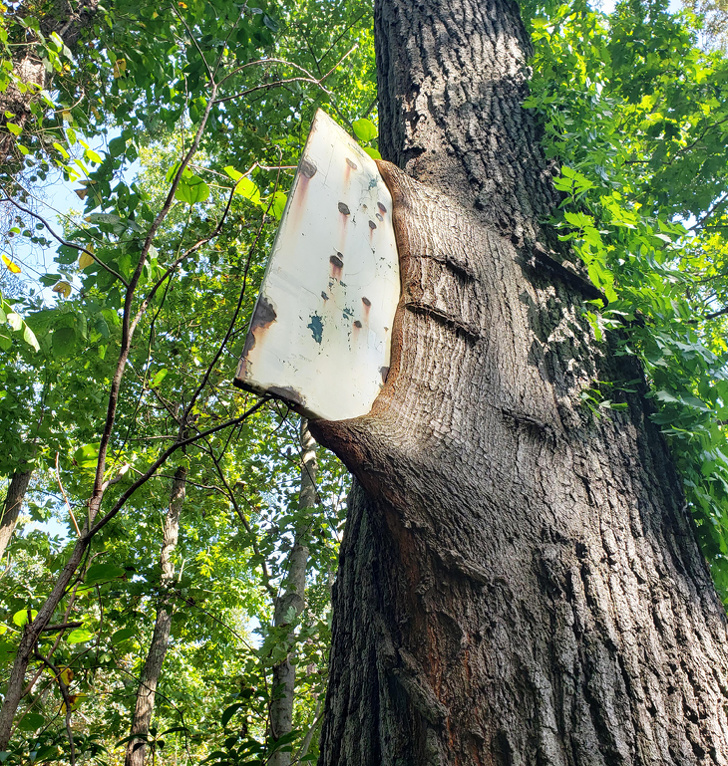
(65,497)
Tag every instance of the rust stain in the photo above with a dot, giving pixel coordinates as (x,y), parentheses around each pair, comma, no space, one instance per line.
(381,207)
(264,314)
(352,164)
(308,169)
(263,317)
(307,172)
(357,324)
(337,265)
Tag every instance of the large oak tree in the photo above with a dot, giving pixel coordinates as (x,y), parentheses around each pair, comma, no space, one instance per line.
(519,581)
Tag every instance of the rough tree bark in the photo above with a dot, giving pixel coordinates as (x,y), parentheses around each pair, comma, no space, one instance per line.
(290,603)
(13,502)
(519,581)
(146,693)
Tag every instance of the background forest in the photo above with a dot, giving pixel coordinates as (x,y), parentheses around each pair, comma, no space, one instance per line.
(169,542)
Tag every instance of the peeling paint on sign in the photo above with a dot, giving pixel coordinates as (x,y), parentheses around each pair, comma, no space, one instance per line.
(320,333)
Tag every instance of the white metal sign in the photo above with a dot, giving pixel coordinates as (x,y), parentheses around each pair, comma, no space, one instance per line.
(320,333)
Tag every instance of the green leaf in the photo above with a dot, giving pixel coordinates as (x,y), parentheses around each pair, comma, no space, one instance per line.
(279,204)
(117,146)
(20,618)
(16,130)
(79,636)
(160,376)
(270,22)
(230,711)
(30,339)
(373,153)
(64,341)
(248,189)
(99,573)
(124,634)
(32,722)
(580,220)
(60,149)
(236,175)
(192,189)
(364,129)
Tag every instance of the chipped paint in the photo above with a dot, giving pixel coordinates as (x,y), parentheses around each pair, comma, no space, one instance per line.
(320,338)
(316,326)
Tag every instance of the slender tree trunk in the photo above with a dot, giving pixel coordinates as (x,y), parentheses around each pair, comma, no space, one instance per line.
(144,707)
(13,502)
(519,581)
(290,604)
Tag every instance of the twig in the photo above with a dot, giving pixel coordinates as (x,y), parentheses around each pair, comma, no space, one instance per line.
(64,626)
(65,497)
(160,460)
(231,324)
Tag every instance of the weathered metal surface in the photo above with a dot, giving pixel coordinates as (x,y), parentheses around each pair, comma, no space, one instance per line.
(320,333)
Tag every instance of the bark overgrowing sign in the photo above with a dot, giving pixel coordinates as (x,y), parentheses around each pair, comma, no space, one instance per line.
(320,334)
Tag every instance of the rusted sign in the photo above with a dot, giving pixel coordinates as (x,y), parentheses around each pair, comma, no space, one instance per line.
(320,333)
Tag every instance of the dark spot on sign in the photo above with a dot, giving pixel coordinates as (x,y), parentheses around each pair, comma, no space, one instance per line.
(288,394)
(344,208)
(343,284)
(336,261)
(384,371)
(372,225)
(366,301)
(364,208)
(316,326)
(357,324)
(380,217)
(264,314)
(347,312)
(308,169)
(381,207)
(324,296)
(351,164)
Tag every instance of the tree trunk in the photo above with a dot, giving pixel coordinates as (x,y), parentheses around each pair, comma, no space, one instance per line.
(519,581)
(13,502)
(66,20)
(136,748)
(290,604)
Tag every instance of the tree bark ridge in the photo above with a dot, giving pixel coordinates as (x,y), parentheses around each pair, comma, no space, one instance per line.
(519,581)
(451,85)
(11,508)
